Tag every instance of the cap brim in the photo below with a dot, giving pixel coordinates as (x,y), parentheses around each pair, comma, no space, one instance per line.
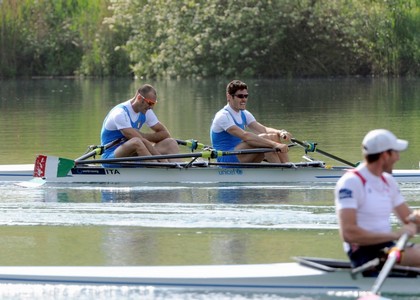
(401,145)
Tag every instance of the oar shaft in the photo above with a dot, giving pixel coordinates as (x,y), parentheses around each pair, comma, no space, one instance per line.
(335,157)
(393,257)
(204,154)
(142,158)
(194,145)
(312,147)
(100,149)
(247,151)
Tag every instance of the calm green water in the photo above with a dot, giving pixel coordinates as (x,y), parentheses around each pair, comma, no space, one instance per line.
(179,224)
(63,117)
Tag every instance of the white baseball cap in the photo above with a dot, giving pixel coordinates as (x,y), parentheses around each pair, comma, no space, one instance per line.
(380,140)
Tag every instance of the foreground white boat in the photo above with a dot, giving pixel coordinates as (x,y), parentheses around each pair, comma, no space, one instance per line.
(16,172)
(306,276)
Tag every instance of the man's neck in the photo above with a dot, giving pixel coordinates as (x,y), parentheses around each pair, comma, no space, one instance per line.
(135,105)
(375,168)
(234,110)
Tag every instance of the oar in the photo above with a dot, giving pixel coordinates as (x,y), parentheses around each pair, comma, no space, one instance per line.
(98,150)
(311,147)
(393,257)
(192,144)
(204,154)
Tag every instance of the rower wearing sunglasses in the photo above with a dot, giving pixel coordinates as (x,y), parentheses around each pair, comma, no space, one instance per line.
(125,121)
(228,130)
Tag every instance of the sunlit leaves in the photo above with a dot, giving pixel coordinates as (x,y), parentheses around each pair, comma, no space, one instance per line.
(264,38)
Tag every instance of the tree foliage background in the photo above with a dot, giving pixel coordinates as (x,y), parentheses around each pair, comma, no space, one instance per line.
(208,38)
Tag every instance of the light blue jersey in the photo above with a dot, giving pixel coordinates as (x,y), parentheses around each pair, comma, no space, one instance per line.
(224,141)
(111,135)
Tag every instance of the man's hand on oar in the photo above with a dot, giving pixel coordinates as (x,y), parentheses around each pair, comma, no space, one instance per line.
(311,147)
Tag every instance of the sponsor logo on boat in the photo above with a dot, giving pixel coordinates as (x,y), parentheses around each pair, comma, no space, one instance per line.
(230,172)
(88,171)
(112,171)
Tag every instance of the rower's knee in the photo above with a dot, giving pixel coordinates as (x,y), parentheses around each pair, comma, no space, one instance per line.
(173,145)
(137,143)
(168,146)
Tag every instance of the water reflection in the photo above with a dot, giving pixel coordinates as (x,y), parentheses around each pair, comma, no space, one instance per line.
(173,206)
(176,193)
(145,195)
(233,194)
(331,112)
(181,224)
(110,292)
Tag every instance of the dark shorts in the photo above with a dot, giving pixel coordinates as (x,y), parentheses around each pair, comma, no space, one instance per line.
(367,253)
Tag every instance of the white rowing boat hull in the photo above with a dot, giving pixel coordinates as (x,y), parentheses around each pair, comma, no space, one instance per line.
(210,174)
(199,175)
(282,277)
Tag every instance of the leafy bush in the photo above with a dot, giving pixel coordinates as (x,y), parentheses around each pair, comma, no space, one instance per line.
(207,38)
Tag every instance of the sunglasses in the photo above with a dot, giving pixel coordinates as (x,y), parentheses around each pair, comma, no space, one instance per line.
(241,96)
(148,101)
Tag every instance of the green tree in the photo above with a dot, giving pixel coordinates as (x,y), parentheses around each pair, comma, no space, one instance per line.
(207,38)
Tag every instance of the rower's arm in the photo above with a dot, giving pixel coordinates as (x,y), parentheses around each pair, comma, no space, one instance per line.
(259,128)
(251,138)
(354,234)
(160,132)
(130,133)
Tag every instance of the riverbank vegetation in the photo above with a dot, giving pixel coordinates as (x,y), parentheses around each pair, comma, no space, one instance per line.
(207,38)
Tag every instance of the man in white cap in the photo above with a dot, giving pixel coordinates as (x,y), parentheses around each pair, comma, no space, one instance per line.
(365,198)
